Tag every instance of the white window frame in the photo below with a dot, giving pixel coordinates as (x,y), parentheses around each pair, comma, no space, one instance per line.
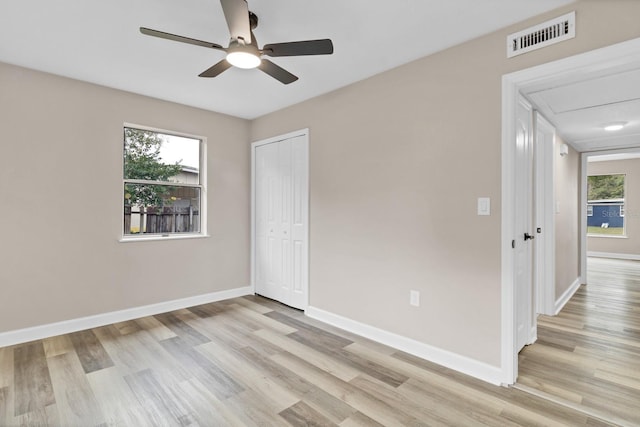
(620,212)
(202,178)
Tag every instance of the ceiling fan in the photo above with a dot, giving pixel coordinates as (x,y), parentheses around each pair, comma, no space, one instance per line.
(243,51)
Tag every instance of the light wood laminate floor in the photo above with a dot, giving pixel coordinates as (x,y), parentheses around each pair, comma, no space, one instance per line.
(247,362)
(589,355)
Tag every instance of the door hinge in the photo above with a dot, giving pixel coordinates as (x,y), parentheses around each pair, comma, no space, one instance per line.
(513,244)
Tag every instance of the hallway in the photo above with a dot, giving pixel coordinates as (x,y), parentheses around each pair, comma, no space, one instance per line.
(588,357)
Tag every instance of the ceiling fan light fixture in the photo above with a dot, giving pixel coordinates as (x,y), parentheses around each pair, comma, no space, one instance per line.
(612,127)
(243,51)
(243,59)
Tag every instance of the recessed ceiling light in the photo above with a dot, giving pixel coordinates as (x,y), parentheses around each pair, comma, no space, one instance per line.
(612,127)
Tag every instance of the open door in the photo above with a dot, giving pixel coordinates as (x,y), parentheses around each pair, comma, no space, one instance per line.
(545,259)
(522,244)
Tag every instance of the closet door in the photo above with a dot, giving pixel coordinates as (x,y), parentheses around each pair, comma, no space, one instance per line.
(281,220)
(266,207)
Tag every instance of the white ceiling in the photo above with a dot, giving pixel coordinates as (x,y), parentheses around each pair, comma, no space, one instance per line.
(580,107)
(99,42)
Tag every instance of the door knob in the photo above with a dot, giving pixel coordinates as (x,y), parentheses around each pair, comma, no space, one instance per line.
(528,236)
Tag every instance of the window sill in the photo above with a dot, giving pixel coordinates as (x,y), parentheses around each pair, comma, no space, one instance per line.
(610,236)
(158,237)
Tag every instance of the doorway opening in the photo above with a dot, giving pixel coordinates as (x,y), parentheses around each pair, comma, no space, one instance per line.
(611,229)
(619,58)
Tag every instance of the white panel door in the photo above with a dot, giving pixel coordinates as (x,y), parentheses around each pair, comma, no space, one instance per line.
(266,194)
(544,270)
(281,220)
(523,225)
(299,222)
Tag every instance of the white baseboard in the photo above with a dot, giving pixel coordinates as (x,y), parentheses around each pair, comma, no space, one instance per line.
(442,357)
(74,325)
(633,257)
(566,296)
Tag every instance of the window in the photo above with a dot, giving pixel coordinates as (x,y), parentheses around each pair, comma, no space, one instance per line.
(606,203)
(162,184)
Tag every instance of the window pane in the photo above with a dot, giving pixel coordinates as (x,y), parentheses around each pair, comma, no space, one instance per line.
(605,204)
(161,209)
(156,156)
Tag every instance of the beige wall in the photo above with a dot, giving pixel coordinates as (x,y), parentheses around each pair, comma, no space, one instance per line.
(630,245)
(60,209)
(397,163)
(567,218)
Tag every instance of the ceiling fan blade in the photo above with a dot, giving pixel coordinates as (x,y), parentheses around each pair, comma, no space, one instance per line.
(236,12)
(277,72)
(216,70)
(308,47)
(182,39)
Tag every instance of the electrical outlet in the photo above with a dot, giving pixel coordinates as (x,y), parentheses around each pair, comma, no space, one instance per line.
(414,298)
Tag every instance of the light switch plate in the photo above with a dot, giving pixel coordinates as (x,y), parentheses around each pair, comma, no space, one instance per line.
(484,206)
(414,298)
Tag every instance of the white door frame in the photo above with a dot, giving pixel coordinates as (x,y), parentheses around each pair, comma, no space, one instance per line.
(570,69)
(304,133)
